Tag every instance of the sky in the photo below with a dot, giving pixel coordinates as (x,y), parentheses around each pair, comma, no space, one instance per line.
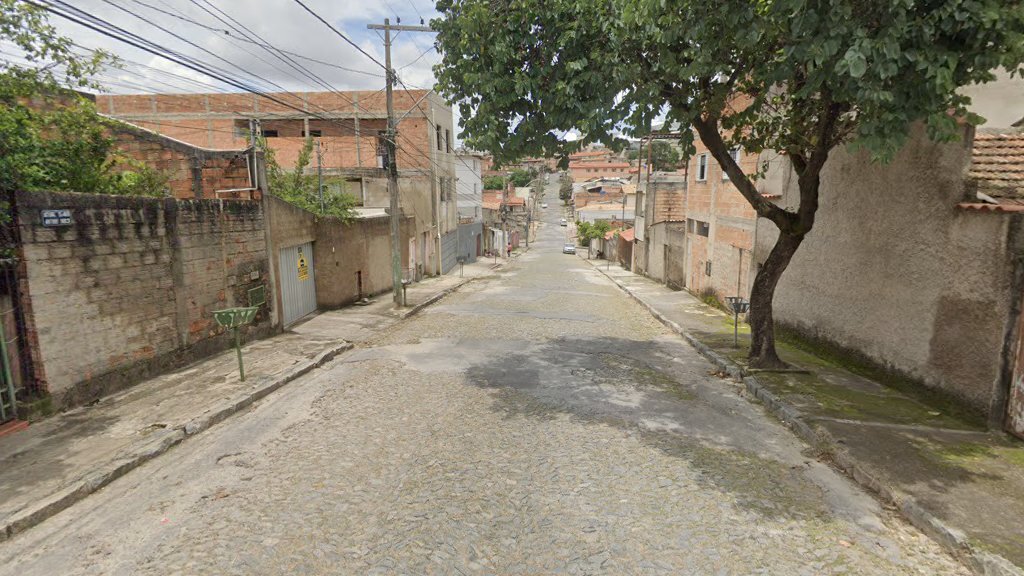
(281,23)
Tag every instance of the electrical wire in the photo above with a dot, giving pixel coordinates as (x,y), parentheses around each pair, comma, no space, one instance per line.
(342,36)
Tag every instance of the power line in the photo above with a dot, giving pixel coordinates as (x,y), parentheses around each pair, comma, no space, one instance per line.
(273,50)
(101,26)
(342,36)
(418,58)
(112,31)
(227,33)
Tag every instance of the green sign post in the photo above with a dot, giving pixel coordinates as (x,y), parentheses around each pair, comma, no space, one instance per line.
(235,318)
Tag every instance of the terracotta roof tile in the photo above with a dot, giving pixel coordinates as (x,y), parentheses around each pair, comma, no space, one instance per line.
(997,164)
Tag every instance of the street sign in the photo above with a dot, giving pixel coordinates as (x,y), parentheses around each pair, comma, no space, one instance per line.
(55,218)
(233,318)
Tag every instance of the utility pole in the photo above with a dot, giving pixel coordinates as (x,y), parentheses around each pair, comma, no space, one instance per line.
(320,175)
(390,164)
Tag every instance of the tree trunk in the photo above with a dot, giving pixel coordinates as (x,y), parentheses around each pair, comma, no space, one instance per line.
(762,327)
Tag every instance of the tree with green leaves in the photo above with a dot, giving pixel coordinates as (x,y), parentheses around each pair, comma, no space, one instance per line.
(801,77)
(299,188)
(588,232)
(664,156)
(565,188)
(51,137)
(494,183)
(521,177)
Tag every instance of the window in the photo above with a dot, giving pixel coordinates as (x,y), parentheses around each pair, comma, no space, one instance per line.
(702,167)
(707,268)
(312,133)
(448,141)
(440,143)
(735,153)
(696,226)
(270,133)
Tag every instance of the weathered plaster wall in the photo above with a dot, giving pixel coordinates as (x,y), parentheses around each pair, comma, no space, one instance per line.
(343,253)
(894,270)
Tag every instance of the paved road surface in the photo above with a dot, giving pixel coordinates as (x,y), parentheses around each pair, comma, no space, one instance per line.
(536,423)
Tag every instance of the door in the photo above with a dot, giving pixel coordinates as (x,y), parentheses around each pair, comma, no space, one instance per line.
(298,282)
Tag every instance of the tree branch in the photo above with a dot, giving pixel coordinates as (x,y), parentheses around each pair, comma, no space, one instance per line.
(707,129)
(810,177)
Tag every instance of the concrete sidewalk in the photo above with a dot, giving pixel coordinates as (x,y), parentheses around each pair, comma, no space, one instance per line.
(61,460)
(956,481)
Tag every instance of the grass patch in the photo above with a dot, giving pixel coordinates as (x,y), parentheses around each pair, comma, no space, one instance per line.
(817,352)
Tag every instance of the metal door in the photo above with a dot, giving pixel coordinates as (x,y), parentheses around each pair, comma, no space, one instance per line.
(298,282)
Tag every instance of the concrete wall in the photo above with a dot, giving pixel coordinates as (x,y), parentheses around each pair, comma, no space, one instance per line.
(468,234)
(449,250)
(349,253)
(469,185)
(127,291)
(344,254)
(895,271)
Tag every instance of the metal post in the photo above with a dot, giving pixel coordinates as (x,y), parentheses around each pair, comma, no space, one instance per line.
(238,349)
(735,327)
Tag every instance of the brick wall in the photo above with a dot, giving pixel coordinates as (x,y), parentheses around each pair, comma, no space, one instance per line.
(716,201)
(349,134)
(127,290)
(192,172)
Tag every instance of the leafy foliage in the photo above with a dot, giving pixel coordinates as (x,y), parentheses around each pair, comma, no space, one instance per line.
(796,76)
(51,138)
(664,156)
(494,183)
(298,188)
(523,72)
(521,177)
(565,188)
(587,231)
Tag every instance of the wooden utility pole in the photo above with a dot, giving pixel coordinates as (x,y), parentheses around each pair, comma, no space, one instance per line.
(391,165)
(320,175)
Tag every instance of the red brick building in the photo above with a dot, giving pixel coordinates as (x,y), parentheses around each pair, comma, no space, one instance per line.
(583,171)
(348,126)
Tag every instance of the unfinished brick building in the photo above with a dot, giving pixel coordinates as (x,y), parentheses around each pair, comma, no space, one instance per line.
(348,126)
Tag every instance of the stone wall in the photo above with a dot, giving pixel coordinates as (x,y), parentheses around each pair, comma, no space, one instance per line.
(126,290)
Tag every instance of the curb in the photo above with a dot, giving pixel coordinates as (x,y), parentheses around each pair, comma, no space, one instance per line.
(154,446)
(953,540)
(419,307)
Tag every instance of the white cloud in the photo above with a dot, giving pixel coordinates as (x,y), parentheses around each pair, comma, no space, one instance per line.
(282,23)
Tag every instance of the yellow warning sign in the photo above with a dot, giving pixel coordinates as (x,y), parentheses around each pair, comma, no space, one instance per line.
(303,268)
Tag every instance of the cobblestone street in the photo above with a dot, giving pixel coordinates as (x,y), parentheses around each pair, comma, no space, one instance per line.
(536,422)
